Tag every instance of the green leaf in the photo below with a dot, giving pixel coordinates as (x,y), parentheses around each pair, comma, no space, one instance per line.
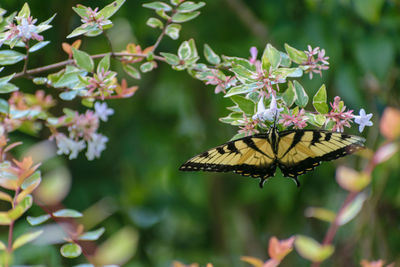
(8,88)
(104,64)
(6,79)
(6,197)
(158,6)
(9,57)
(69,95)
(26,238)
(302,97)
(189,6)
(71,250)
(295,55)
(2,246)
(119,248)
(184,50)
(193,49)
(88,102)
(211,56)
(109,10)
(131,71)
(38,220)
(243,74)
(171,58)
(69,78)
(289,96)
(270,58)
(352,209)
(20,209)
(67,213)
(40,80)
(246,105)
(285,60)
(311,250)
(283,73)
(79,31)
(321,214)
(148,66)
(243,89)
(4,107)
(83,60)
(163,14)
(173,30)
(319,100)
(38,46)
(155,23)
(92,235)
(183,17)
(237,136)
(175,2)
(235,61)
(25,11)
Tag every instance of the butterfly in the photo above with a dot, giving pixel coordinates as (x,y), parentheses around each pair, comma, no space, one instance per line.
(295,152)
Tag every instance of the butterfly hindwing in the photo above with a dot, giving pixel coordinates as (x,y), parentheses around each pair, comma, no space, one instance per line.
(249,156)
(300,151)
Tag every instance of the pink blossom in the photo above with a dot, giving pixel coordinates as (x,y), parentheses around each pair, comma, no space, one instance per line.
(222,82)
(298,121)
(339,116)
(315,65)
(253,54)
(84,125)
(248,126)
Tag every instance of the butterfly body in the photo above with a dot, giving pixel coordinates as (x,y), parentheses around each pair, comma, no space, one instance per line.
(295,152)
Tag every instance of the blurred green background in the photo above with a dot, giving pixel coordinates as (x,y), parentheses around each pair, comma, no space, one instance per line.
(208,217)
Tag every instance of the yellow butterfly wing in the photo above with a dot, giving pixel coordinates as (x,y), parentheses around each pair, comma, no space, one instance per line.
(249,156)
(300,151)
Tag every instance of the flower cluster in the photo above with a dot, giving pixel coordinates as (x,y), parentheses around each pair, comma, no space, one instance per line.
(339,115)
(103,83)
(222,82)
(270,114)
(267,80)
(315,65)
(82,130)
(92,18)
(24,29)
(297,120)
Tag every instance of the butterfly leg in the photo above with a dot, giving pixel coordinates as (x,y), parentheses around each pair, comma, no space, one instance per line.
(262,182)
(296,181)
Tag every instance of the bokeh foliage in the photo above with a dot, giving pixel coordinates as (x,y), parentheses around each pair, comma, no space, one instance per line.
(217,218)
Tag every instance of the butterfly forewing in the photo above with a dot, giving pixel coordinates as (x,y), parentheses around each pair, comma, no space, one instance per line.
(248,156)
(300,151)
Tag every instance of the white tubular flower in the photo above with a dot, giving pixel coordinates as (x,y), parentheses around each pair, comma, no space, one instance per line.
(95,146)
(267,114)
(363,120)
(26,29)
(68,146)
(102,111)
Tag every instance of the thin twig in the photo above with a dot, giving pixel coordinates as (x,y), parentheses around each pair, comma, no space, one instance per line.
(161,36)
(26,58)
(71,61)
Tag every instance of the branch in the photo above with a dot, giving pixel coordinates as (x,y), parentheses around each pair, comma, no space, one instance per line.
(71,61)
